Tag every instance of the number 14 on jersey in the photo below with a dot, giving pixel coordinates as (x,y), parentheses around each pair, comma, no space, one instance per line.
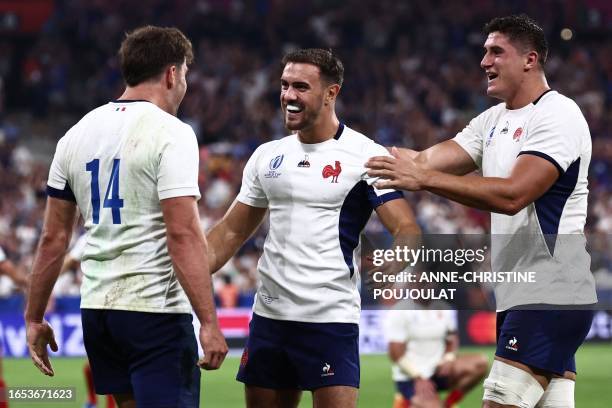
(114,202)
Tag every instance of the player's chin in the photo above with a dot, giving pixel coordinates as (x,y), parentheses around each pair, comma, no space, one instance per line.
(294,124)
(494,91)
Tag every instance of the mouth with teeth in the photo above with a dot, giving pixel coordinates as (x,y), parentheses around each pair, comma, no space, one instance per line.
(293,108)
(491,76)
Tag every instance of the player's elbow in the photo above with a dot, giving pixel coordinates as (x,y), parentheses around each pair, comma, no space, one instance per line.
(512,206)
(55,240)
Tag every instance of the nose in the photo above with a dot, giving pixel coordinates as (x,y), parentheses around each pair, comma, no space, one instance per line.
(289,94)
(486,61)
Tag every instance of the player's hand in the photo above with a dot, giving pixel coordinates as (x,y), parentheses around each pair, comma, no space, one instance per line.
(400,171)
(213,345)
(39,336)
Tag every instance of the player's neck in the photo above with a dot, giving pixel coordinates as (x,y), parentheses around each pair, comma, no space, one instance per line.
(148,92)
(529,91)
(320,132)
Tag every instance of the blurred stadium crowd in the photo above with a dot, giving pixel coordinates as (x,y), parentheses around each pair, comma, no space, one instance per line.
(412,78)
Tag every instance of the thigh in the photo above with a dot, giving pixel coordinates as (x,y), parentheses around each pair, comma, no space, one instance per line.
(162,354)
(325,354)
(258,397)
(543,339)
(335,396)
(109,362)
(264,361)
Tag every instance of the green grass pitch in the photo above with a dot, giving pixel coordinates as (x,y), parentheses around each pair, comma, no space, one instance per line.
(219,389)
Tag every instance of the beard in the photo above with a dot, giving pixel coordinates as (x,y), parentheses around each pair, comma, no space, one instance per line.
(308,119)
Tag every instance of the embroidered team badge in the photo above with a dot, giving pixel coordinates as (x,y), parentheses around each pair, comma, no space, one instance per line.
(333,172)
(517,134)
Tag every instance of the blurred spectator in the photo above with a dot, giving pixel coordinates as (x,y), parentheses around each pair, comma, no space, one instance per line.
(412,79)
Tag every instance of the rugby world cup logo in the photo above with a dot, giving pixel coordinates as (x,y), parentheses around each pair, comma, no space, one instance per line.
(275,163)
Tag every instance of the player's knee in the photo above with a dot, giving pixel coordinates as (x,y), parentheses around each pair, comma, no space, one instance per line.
(558,394)
(481,366)
(509,385)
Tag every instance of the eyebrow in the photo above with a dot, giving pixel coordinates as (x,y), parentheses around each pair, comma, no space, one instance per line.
(296,83)
(494,48)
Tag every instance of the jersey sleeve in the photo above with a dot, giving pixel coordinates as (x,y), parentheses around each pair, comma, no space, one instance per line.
(251,191)
(471,138)
(178,167)
(395,326)
(555,136)
(57,183)
(377,196)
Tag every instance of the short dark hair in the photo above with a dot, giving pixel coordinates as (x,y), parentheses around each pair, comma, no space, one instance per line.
(147,51)
(329,64)
(522,30)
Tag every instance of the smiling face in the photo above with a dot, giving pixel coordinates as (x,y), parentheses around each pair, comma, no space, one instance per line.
(302,95)
(505,66)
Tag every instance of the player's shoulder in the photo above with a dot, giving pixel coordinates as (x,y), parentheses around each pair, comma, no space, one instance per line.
(360,143)
(555,103)
(277,146)
(492,113)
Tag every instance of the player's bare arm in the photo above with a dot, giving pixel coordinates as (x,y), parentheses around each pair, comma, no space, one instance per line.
(54,240)
(447,157)
(227,236)
(398,218)
(16,274)
(530,178)
(188,249)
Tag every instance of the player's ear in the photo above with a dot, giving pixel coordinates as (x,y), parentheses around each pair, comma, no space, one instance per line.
(170,76)
(531,60)
(331,93)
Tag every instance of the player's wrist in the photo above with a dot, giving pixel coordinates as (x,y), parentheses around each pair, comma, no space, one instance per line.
(448,357)
(408,368)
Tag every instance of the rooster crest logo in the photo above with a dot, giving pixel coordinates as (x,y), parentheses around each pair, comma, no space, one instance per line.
(333,172)
(512,341)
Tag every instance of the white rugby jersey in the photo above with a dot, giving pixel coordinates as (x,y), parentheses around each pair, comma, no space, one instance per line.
(547,236)
(117,163)
(424,331)
(320,198)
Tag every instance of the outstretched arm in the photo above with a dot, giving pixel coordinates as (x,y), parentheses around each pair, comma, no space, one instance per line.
(227,236)
(529,179)
(447,157)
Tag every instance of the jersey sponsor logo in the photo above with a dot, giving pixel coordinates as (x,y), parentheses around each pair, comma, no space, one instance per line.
(505,129)
(275,163)
(512,344)
(490,137)
(305,162)
(333,172)
(327,370)
(517,134)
